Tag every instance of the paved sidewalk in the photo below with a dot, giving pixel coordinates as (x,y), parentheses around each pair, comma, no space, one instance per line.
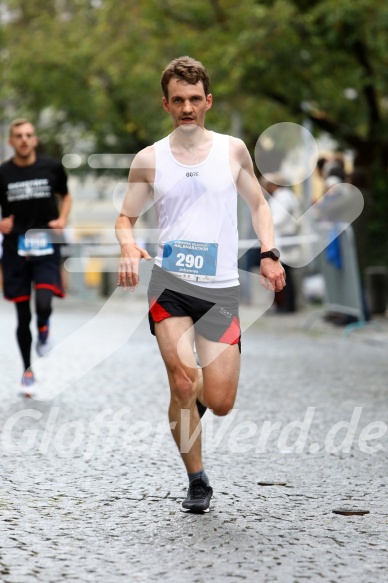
(91,483)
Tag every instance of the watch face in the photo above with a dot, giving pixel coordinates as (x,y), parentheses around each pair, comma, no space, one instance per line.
(275,254)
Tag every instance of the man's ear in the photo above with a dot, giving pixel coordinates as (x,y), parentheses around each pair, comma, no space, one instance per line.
(165,104)
(209,101)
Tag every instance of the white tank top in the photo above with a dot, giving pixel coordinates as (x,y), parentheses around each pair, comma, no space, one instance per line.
(198,204)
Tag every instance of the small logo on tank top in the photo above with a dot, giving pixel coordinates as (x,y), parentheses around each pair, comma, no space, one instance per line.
(191,174)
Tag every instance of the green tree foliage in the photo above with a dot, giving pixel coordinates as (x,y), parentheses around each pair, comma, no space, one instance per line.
(95,66)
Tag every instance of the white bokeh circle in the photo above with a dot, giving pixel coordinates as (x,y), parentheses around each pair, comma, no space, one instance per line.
(71,160)
(286,154)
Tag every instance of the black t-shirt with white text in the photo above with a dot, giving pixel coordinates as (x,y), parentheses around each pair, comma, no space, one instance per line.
(29,193)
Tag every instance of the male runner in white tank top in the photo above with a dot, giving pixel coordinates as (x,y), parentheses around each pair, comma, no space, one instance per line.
(194,176)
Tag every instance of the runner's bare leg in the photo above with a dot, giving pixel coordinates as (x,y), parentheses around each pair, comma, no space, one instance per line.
(183,380)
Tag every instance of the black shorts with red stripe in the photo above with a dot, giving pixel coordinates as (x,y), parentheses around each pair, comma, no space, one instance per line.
(21,273)
(214,311)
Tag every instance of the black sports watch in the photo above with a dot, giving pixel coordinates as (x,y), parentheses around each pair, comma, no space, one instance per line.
(272,253)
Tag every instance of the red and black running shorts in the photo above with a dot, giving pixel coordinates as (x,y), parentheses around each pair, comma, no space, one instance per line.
(20,273)
(214,311)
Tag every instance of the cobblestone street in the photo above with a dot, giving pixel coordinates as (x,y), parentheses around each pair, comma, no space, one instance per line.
(91,480)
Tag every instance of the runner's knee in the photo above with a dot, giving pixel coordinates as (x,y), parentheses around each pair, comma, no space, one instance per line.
(183,386)
(221,401)
(222,408)
(23,315)
(43,304)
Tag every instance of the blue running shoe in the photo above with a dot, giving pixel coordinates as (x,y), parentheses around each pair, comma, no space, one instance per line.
(27,388)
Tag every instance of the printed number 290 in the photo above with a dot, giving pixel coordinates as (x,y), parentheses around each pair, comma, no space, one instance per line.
(189,260)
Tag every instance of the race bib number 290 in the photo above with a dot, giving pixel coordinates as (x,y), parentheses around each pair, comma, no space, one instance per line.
(191,260)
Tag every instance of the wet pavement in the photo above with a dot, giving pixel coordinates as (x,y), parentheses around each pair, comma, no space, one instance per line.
(91,481)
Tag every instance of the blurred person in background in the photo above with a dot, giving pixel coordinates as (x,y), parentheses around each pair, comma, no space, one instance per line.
(1,261)
(30,186)
(317,186)
(285,207)
(334,208)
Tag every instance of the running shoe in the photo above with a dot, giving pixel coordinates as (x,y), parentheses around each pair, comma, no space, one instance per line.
(43,344)
(198,497)
(27,388)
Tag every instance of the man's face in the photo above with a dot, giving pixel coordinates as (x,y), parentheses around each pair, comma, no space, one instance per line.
(23,140)
(187,104)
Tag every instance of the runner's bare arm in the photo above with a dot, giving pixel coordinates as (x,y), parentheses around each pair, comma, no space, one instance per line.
(249,188)
(138,192)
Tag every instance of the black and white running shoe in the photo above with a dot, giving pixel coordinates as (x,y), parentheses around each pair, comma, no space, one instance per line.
(198,497)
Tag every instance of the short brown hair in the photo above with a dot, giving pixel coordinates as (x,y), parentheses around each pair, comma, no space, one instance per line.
(19,121)
(187,70)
